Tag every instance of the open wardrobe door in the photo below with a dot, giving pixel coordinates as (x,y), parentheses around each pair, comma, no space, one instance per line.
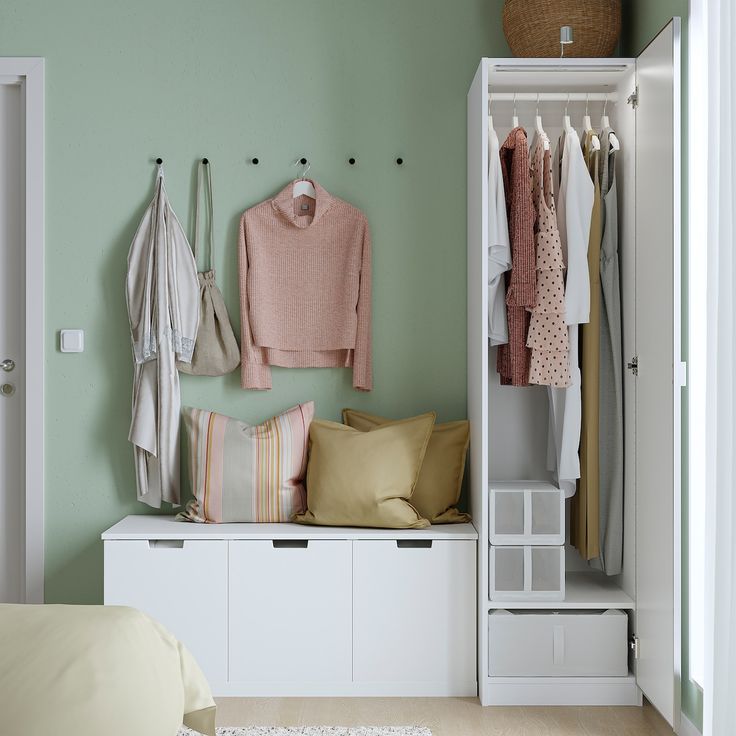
(658,371)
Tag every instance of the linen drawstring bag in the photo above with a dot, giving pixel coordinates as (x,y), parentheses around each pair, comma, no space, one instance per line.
(216,350)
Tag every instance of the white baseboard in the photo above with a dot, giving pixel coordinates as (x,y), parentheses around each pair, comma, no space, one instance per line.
(687,727)
(560,691)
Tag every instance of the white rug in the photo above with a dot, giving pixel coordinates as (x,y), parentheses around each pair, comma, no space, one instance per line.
(318,731)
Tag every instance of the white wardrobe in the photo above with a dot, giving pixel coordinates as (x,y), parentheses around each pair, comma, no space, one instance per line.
(509,425)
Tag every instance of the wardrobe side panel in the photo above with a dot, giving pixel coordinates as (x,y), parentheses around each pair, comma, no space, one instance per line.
(657,397)
(477,264)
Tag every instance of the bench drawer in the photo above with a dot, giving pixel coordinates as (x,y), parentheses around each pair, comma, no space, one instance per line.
(414,614)
(565,644)
(290,611)
(180,583)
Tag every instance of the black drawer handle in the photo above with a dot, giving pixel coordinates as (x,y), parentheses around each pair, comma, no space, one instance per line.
(290,543)
(166,544)
(414,543)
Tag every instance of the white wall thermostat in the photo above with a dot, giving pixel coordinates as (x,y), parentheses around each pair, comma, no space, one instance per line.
(72,341)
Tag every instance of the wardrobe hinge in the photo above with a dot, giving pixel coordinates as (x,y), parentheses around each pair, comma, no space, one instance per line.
(681,374)
(633,365)
(633,98)
(634,645)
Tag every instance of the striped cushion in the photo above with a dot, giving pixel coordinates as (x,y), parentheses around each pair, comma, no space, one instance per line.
(245,473)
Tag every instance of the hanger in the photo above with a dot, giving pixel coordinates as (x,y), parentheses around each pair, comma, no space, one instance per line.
(613,140)
(490,117)
(540,129)
(566,124)
(588,128)
(515,119)
(302,185)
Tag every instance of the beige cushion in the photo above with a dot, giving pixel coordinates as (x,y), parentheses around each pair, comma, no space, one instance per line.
(365,478)
(441,478)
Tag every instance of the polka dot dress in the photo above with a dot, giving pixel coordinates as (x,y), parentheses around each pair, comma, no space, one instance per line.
(548,335)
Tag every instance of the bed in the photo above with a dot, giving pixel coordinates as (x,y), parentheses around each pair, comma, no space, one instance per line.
(96,671)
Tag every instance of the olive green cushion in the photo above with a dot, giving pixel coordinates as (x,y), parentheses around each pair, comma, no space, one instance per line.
(441,478)
(365,479)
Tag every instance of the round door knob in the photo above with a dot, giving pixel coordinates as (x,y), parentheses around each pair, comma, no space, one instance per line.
(7,365)
(7,389)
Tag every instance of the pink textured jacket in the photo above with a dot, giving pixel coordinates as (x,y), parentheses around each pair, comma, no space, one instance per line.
(305,287)
(513,360)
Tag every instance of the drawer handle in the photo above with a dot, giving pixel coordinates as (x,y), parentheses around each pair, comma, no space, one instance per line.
(414,543)
(166,544)
(558,645)
(290,543)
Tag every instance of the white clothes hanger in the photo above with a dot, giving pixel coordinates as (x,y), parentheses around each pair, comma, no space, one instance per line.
(302,185)
(588,128)
(566,124)
(615,145)
(515,118)
(540,129)
(490,117)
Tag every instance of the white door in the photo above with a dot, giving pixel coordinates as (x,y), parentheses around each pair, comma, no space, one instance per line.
(12,513)
(657,384)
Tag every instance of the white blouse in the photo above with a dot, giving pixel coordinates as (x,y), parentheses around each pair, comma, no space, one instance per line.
(499,246)
(574,213)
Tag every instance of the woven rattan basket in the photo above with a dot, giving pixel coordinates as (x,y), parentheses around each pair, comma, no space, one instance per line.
(532,27)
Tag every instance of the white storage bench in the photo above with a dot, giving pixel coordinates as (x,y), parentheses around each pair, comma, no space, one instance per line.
(292,610)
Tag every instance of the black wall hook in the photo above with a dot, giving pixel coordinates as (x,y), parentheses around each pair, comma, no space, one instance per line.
(399,161)
(254,161)
(159,161)
(205,161)
(351,161)
(303,161)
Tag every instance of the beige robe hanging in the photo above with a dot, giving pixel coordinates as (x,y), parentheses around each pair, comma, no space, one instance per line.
(163,307)
(585,518)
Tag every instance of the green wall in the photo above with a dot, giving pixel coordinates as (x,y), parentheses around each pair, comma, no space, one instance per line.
(328,79)
(642,20)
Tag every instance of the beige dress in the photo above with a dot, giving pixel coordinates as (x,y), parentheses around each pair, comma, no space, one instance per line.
(548,334)
(585,517)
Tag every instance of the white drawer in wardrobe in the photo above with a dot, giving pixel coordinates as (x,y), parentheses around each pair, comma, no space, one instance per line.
(182,583)
(290,614)
(414,617)
(558,644)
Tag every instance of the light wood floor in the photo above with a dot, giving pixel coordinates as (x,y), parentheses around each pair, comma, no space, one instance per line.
(443,716)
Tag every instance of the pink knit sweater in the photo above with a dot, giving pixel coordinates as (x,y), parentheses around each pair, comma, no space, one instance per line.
(305,287)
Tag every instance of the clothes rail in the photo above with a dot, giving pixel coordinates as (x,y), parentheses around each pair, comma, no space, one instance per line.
(552,96)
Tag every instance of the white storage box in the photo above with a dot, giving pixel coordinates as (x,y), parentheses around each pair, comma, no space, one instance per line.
(526,512)
(550,644)
(526,573)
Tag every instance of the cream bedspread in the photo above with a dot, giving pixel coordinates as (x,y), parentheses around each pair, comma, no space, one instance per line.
(96,671)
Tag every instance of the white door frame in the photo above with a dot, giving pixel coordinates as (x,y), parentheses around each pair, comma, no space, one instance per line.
(28,72)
